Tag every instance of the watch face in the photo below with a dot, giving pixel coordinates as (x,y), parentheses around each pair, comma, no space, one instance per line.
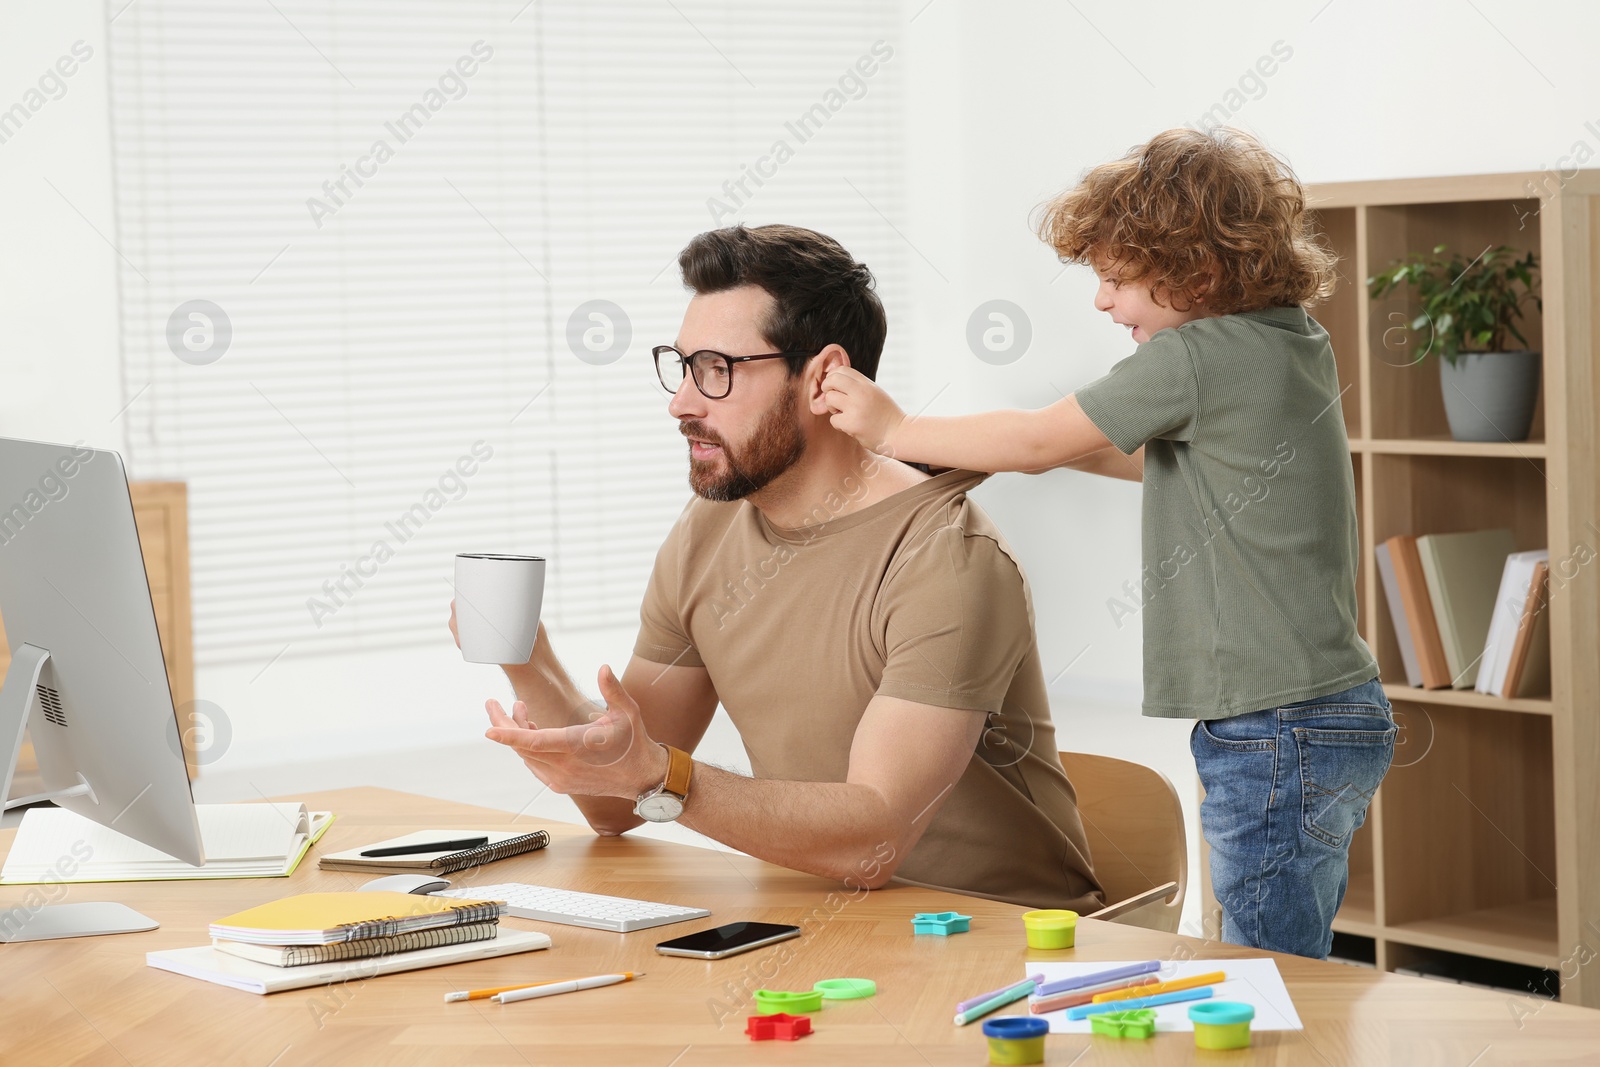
(661,807)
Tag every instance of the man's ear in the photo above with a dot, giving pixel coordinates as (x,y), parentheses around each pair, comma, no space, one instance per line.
(820,366)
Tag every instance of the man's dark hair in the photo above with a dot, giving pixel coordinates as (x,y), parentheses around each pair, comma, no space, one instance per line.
(821,295)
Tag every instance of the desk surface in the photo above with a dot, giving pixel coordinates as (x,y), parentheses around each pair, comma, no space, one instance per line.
(93,1000)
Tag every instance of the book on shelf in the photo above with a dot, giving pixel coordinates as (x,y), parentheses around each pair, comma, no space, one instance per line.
(500,845)
(239,841)
(208,964)
(301,955)
(1528,666)
(1397,615)
(324,918)
(1463,571)
(1514,599)
(1418,610)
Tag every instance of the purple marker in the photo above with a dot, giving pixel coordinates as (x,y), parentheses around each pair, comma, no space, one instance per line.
(968,1005)
(1132,970)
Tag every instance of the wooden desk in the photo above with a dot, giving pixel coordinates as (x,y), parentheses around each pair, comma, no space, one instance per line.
(93,1001)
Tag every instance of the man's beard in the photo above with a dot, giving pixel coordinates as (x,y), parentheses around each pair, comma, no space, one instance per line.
(776,445)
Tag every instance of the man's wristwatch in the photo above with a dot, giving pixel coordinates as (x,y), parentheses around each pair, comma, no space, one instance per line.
(665,802)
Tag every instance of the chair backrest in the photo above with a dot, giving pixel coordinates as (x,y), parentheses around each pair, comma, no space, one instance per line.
(1134,822)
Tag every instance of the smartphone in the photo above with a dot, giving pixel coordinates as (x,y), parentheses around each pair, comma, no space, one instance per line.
(730,940)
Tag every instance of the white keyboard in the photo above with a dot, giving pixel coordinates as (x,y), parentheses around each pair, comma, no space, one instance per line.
(571,908)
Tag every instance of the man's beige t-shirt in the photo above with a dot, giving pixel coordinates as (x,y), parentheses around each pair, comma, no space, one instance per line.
(916,597)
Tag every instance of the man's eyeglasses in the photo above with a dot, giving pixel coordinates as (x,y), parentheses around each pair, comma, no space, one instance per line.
(712,371)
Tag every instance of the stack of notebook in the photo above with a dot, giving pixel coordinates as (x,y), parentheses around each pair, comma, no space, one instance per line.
(1467,611)
(318,938)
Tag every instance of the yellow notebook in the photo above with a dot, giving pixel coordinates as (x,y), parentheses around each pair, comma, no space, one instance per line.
(328,918)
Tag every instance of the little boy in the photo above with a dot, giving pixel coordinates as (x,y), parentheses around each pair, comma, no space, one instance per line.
(1228,411)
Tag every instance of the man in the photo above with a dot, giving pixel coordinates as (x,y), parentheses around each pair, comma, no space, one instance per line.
(864,624)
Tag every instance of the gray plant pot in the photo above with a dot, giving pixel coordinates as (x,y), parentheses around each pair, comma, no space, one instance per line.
(1490,396)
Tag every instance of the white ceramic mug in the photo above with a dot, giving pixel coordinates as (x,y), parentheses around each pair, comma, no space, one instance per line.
(498,597)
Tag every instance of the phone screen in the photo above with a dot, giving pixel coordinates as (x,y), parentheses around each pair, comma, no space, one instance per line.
(720,940)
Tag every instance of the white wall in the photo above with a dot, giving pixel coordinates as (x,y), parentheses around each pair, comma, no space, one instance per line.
(1009,103)
(59,372)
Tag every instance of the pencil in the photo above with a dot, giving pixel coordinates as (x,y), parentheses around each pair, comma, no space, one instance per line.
(485,994)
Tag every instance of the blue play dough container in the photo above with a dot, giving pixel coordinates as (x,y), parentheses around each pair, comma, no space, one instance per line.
(1016,1039)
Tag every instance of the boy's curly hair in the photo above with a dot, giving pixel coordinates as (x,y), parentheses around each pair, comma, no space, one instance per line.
(1172,211)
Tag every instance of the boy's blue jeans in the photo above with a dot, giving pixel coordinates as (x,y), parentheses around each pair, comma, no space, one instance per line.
(1286,788)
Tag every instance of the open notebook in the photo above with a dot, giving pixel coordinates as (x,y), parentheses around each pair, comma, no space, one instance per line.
(240,840)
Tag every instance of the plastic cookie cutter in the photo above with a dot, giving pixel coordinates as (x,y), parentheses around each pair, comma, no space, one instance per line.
(774,1001)
(1140,1023)
(845,988)
(779,1027)
(1221,1024)
(940,922)
(1015,1039)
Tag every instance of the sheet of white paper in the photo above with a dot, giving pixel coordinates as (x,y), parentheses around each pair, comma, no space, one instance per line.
(1250,981)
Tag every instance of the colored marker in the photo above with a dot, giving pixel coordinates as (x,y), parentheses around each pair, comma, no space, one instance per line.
(973,1002)
(1135,1003)
(1163,987)
(999,1000)
(1137,987)
(1132,970)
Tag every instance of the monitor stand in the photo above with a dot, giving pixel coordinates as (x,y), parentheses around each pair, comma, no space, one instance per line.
(19,695)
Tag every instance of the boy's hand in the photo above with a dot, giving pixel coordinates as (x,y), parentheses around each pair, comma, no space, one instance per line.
(861,409)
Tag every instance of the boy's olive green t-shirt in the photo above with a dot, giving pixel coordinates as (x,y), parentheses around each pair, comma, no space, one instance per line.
(1248,588)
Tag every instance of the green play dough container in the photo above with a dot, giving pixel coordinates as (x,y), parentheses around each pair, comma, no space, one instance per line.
(1221,1024)
(1051,928)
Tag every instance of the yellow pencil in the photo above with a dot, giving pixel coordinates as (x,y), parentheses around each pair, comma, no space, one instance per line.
(485,994)
(1163,987)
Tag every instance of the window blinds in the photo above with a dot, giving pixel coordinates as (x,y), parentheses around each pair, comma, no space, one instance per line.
(390,274)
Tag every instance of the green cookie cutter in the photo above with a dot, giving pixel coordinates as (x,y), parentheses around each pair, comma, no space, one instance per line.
(846,988)
(772,1001)
(1137,1023)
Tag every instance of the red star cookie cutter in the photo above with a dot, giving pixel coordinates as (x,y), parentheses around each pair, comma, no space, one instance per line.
(779,1027)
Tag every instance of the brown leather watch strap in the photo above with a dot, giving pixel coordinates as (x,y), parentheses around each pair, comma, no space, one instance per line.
(680,766)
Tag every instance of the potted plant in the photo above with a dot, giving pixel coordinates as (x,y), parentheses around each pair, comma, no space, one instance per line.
(1470,312)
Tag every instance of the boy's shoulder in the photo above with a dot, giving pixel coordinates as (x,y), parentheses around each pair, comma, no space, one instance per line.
(1266,321)
(1267,333)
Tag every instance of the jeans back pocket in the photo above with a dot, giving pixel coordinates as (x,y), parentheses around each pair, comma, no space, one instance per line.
(1339,772)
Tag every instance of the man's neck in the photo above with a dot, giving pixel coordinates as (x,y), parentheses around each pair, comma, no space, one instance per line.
(836,477)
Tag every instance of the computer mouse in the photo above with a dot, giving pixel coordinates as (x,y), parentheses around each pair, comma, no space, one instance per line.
(407,883)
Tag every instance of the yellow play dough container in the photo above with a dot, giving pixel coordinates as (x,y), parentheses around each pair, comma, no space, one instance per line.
(1051,928)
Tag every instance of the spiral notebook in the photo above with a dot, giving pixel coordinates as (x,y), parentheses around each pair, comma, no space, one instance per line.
(301,955)
(324,918)
(500,845)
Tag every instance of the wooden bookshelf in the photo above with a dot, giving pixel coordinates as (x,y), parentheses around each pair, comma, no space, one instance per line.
(1484,840)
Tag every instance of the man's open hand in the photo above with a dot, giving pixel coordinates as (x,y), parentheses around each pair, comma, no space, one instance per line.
(608,755)
(861,409)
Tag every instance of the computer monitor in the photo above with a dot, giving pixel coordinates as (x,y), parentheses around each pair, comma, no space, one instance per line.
(87,676)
